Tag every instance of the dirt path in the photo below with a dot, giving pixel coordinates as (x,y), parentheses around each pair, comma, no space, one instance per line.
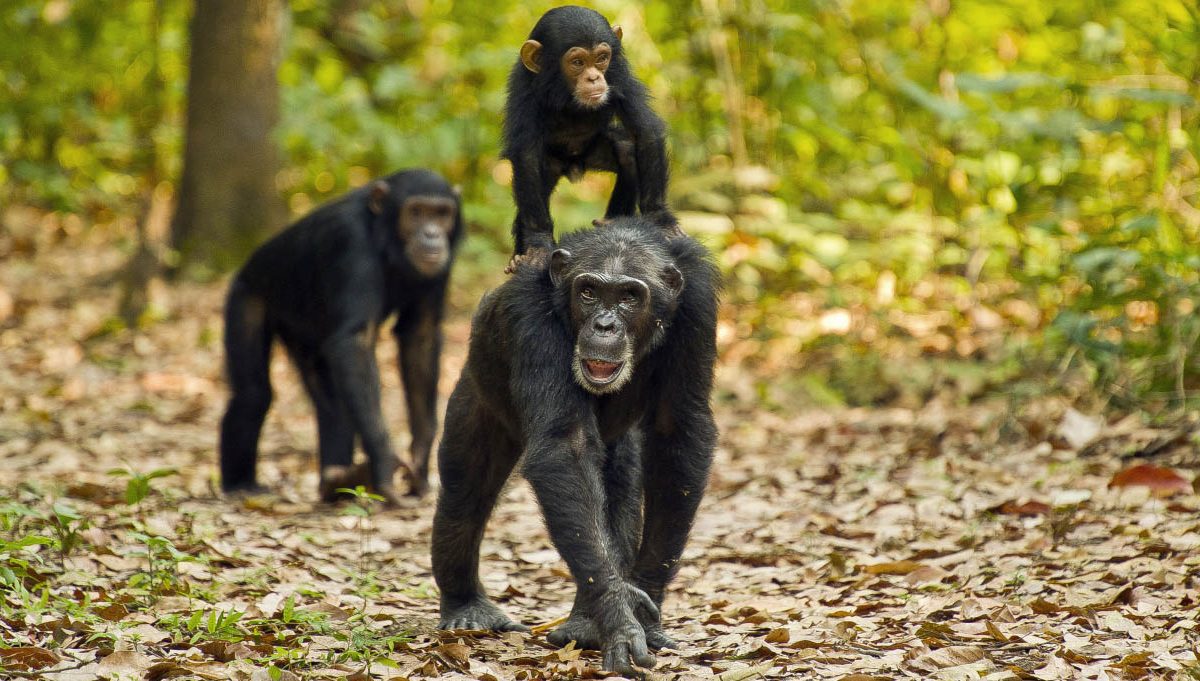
(949,543)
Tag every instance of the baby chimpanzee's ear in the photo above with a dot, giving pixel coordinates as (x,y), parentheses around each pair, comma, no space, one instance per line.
(529,55)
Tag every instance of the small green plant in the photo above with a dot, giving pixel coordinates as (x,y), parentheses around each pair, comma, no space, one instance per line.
(137,487)
(66,526)
(365,643)
(162,556)
(163,559)
(360,508)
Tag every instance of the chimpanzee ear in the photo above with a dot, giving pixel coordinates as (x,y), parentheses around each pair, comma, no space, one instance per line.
(673,278)
(379,192)
(617,30)
(559,260)
(529,55)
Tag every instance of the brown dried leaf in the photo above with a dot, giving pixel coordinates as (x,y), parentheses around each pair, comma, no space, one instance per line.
(950,656)
(1163,482)
(28,657)
(779,635)
(899,567)
(124,663)
(456,654)
(1024,508)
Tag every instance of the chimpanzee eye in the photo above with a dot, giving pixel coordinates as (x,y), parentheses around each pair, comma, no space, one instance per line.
(628,299)
(586,293)
(577,63)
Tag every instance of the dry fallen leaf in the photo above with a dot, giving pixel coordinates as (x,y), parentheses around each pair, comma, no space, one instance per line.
(950,656)
(1162,482)
(1079,429)
(1024,508)
(899,567)
(28,657)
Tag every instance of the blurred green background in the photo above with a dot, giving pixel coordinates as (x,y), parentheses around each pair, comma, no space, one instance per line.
(966,197)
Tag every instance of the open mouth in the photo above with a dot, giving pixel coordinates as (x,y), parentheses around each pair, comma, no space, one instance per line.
(599,371)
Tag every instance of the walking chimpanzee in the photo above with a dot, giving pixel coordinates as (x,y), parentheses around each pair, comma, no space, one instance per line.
(574,105)
(596,368)
(324,286)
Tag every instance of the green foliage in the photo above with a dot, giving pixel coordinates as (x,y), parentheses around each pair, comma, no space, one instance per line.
(137,488)
(909,165)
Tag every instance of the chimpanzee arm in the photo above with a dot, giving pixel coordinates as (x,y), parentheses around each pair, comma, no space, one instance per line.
(418,332)
(680,435)
(351,356)
(650,152)
(563,460)
(533,181)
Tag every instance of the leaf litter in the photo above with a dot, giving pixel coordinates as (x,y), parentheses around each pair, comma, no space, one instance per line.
(851,544)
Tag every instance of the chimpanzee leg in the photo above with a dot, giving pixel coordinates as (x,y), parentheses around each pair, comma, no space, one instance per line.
(248,359)
(352,366)
(420,343)
(335,432)
(623,485)
(475,459)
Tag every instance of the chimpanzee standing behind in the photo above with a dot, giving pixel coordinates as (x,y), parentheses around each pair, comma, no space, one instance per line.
(323,287)
(574,105)
(598,371)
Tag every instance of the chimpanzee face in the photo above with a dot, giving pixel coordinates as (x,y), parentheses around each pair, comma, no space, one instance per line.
(424,227)
(612,310)
(584,71)
(583,68)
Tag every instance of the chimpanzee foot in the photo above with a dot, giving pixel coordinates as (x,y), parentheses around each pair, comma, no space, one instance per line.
(578,628)
(478,614)
(249,489)
(334,478)
(534,257)
(657,639)
(417,489)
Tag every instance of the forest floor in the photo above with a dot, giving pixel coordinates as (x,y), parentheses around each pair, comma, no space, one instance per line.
(954,542)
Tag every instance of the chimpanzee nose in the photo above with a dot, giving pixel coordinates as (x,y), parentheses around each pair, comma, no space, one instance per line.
(605,323)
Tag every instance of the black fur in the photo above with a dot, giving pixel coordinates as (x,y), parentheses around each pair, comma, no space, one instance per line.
(547,135)
(323,287)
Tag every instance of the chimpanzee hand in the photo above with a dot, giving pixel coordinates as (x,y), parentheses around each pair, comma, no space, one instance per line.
(667,220)
(584,628)
(534,257)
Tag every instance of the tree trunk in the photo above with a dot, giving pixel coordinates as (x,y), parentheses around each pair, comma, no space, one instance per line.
(227,198)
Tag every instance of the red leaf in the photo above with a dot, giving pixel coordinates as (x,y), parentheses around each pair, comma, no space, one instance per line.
(1163,482)
(1011,507)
